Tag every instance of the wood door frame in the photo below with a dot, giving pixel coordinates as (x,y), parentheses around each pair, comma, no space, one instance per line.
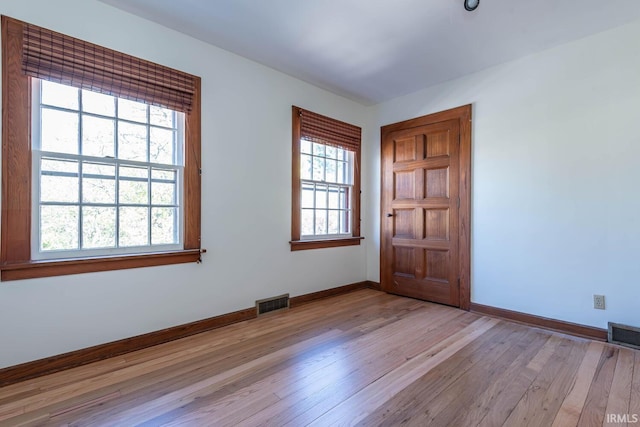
(463,115)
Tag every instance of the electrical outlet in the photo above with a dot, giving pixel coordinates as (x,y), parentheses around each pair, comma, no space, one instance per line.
(598,302)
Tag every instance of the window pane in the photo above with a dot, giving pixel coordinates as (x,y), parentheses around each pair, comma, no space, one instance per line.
(133,186)
(318,149)
(97,103)
(132,142)
(134,172)
(98,183)
(163,226)
(321,222)
(332,152)
(318,169)
(55,165)
(334,222)
(344,222)
(58,228)
(321,196)
(307,226)
(59,95)
(59,189)
(163,193)
(307,195)
(305,166)
(305,146)
(344,198)
(162,146)
(334,197)
(160,116)
(134,226)
(59,131)
(98,137)
(98,227)
(331,171)
(167,175)
(133,193)
(131,110)
(341,173)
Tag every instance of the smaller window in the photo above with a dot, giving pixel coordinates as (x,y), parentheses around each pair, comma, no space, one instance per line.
(326,188)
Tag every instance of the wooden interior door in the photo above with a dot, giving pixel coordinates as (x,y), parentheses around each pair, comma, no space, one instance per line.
(425,207)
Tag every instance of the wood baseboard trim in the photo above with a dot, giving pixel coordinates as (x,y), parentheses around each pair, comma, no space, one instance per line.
(575,329)
(374,285)
(307,298)
(50,365)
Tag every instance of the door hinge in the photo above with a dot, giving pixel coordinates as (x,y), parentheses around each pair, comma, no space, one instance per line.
(458,202)
(459,139)
(458,282)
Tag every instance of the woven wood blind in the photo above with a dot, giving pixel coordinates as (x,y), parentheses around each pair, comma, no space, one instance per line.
(325,130)
(62,59)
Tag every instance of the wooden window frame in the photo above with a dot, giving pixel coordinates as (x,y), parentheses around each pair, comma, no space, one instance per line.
(15,243)
(296,207)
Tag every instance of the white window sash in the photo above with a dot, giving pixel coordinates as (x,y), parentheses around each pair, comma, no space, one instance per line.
(38,155)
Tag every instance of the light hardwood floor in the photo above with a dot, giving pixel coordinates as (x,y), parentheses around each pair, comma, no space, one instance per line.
(364,358)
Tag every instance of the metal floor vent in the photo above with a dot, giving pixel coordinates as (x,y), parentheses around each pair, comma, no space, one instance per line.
(628,336)
(272,304)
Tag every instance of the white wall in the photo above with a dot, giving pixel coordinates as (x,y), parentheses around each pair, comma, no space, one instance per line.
(555,199)
(246,202)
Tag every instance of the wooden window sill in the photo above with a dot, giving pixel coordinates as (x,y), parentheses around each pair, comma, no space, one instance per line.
(301,245)
(49,268)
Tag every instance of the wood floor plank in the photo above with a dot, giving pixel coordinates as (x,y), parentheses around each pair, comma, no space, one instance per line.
(361,404)
(530,406)
(595,406)
(428,397)
(464,392)
(255,377)
(516,389)
(301,406)
(315,374)
(141,393)
(634,400)
(201,388)
(620,393)
(546,411)
(495,391)
(571,407)
(365,357)
(387,360)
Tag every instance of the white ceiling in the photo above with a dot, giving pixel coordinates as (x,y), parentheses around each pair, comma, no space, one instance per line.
(375,50)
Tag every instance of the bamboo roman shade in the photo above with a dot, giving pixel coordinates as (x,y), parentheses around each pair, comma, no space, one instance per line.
(63,59)
(325,130)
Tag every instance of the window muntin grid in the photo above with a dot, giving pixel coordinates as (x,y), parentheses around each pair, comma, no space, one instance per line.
(326,177)
(107,175)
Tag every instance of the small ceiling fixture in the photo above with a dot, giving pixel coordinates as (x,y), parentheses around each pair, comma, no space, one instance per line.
(471,5)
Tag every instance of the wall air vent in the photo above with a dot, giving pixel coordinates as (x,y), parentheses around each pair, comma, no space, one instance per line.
(628,336)
(272,304)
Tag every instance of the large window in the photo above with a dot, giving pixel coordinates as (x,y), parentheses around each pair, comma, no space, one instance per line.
(107,174)
(100,158)
(326,182)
